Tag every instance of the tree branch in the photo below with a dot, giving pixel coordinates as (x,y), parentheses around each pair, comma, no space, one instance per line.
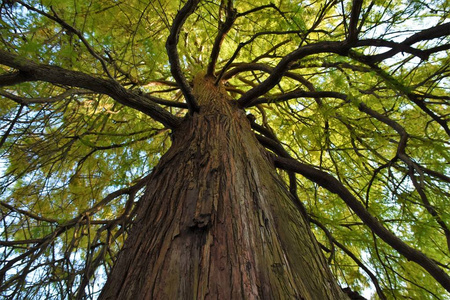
(224,27)
(271,5)
(412,166)
(334,186)
(32,71)
(298,94)
(172,52)
(28,214)
(70,28)
(416,99)
(352,256)
(397,47)
(340,48)
(249,41)
(401,154)
(279,71)
(27,101)
(427,34)
(10,127)
(12,78)
(166,102)
(244,67)
(354,17)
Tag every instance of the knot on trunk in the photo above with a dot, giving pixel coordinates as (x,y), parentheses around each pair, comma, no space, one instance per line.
(201,222)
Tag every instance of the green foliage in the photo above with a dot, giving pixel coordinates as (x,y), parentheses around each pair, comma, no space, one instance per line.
(61,158)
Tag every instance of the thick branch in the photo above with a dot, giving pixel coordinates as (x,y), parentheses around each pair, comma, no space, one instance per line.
(249,41)
(384,119)
(279,71)
(127,190)
(437,49)
(172,52)
(397,47)
(12,78)
(224,27)
(427,34)
(354,17)
(340,48)
(39,72)
(334,186)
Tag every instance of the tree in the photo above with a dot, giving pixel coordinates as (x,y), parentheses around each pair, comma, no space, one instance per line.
(224,149)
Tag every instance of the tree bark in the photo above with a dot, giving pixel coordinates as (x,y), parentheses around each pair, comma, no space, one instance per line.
(217,222)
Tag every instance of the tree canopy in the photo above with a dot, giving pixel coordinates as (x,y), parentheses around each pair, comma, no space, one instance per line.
(353,96)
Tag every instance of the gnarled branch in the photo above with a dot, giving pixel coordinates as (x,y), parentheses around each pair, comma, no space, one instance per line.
(279,71)
(32,71)
(172,52)
(224,27)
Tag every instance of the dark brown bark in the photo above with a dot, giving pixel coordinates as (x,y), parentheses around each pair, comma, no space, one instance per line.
(217,222)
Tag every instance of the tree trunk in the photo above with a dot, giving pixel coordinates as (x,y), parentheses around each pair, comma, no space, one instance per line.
(216,221)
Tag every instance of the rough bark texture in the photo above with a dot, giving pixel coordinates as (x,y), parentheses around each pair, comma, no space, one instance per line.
(217,222)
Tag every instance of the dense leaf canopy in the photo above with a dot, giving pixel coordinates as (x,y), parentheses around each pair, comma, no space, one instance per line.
(351,95)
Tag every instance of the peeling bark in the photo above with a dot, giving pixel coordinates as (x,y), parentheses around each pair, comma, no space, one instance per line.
(217,222)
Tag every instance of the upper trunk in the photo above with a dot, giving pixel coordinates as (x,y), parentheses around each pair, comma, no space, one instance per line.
(216,221)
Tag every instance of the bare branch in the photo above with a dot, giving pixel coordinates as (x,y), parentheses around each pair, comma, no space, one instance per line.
(242,44)
(437,49)
(172,52)
(245,67)
(340,48)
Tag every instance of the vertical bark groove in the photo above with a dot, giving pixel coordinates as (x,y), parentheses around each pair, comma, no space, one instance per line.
(216,222)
